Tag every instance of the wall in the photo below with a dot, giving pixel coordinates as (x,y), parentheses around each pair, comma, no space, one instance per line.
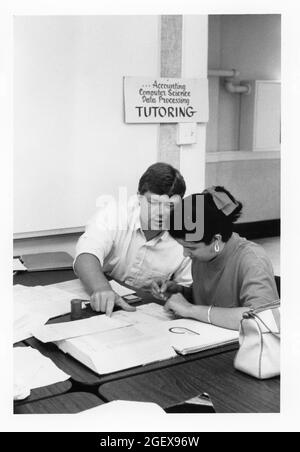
(71,58)
(250,44)
(194,64)
(256,183)
(70,141)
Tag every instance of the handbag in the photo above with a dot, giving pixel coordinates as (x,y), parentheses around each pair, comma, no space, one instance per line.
(259,339)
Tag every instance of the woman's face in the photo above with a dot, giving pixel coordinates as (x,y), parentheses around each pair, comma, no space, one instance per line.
(198,250)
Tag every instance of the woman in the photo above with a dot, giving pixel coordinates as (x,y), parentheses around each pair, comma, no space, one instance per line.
(228,271)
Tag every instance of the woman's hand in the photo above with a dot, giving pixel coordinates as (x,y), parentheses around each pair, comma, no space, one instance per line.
(162,289)
(179,306)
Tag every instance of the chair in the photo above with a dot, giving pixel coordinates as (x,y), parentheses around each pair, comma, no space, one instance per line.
(277,281)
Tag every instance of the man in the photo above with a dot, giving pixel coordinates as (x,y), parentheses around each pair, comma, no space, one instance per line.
(134,246)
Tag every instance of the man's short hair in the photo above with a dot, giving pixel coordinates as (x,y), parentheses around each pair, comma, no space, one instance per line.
(162,179)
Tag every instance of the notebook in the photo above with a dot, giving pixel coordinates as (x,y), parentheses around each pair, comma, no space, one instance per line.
(190,336)
(46,261)
(149,337)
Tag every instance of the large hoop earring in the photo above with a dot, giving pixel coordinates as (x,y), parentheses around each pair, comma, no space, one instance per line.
(217,246)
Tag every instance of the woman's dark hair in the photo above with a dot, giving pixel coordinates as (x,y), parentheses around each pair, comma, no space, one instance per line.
(162,179)
(215,221)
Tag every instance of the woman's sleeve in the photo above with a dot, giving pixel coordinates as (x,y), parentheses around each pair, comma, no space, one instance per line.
(257,281)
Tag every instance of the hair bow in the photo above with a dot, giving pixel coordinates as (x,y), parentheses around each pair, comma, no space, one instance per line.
(222,201)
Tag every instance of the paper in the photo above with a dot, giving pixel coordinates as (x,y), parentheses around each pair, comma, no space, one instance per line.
(20,390)
(120,290)
(188,336)
(76,328)
(34,306)
(78,291)
(74,287)
(43,300)
(33,370)
(149,314)
(18,265)
(118,349)
(25,321)
(126,408)
(123,348)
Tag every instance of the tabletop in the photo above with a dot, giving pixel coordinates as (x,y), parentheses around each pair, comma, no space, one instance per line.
(230,390)
(75,402)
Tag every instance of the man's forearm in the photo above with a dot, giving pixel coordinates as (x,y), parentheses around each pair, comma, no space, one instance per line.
(90,272)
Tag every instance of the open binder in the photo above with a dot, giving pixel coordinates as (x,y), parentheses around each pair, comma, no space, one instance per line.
(59,260)
(145,341)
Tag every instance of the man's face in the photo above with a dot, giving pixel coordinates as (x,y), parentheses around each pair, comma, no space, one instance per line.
(156,209)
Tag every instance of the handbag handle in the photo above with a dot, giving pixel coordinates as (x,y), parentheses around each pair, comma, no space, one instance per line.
(266,326)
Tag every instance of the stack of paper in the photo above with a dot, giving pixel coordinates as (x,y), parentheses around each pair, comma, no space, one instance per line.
(34,306)
(76,287)
(33,370)
(118,349)
(126,408)
(147,314)
(66,330)
(25,321)
(43,299)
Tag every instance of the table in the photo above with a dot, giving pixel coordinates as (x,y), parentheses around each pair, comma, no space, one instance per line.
(45,392)
(82,375)
(43,278)
(230,390)
(68,403)
(169,382)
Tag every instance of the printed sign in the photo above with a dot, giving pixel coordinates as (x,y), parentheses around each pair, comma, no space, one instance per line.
(158,100)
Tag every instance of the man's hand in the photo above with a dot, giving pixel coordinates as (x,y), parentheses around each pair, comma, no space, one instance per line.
(162,289)
(179,306)
(105,300)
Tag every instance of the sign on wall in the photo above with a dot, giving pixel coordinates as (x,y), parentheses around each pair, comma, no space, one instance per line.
(158,100)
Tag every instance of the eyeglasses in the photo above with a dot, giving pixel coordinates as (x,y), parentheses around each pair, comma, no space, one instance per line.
(162,200)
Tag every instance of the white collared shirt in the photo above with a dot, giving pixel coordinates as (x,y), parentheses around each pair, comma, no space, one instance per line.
(120,245)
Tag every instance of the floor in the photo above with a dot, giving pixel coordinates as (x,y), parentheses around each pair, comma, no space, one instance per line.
(272,247)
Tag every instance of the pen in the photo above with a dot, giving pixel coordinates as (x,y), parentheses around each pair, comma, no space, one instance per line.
(163,296)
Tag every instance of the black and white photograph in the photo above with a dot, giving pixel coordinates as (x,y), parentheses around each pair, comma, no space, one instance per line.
(146,215)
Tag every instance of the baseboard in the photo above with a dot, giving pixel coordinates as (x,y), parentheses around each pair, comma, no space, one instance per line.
(258,229)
